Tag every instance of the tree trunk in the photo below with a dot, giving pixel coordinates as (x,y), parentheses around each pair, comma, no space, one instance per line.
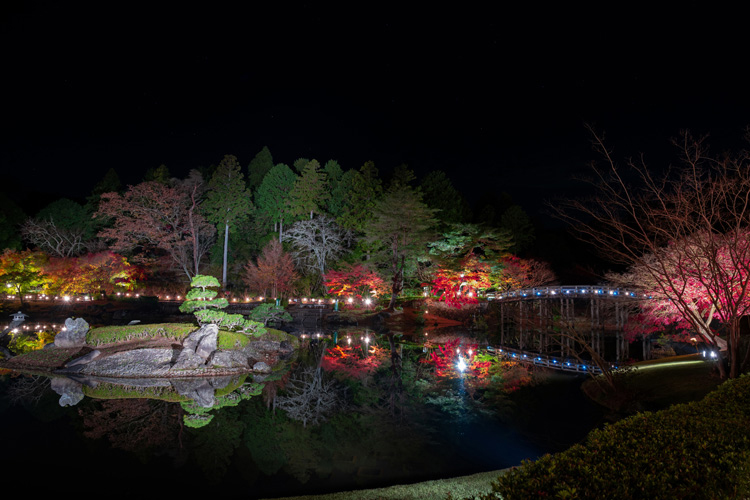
(226,245)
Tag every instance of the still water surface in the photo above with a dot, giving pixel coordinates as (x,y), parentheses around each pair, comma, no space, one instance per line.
(367,425)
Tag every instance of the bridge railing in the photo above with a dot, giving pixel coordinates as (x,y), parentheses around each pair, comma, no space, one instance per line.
(554,362)
(567,291)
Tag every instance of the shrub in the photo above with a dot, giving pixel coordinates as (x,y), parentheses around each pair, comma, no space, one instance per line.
(695,450)
(207,308)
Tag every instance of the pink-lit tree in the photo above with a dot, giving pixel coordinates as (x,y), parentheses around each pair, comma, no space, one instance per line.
(684,236)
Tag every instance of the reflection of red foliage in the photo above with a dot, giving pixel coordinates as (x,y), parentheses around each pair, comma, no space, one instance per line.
(352,362)
(445,359)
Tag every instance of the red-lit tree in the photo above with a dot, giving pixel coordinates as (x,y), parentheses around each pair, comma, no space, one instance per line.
(273,273)
(354,281)
(515,273)
(460,286)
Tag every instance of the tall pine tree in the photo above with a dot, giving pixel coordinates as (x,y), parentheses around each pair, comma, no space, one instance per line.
(228,202)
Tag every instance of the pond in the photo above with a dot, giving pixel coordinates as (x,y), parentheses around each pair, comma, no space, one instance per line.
(353,409)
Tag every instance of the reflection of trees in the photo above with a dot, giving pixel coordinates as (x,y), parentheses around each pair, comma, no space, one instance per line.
(309,398)
(27,389)
(213,446)
(141,426)
(395,389)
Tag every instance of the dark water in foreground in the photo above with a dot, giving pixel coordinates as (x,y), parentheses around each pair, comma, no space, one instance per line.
(375,429)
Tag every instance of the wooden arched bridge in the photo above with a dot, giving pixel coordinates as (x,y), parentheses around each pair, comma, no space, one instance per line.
(560,326)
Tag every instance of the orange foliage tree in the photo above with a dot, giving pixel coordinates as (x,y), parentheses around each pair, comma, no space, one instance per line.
(102,272)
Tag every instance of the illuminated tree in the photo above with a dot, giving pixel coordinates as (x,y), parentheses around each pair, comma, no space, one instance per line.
(93,273)
(400,228)
(316,242)
(354,280)
(151,217)
(696,285)
(310,191)
(63,229)
(340,188)
(202,301)
(21,271)
(273,273)
(272,196)
(460,286)
(227,202)
(469,258)
(685,228)
(159,174)
(516,273)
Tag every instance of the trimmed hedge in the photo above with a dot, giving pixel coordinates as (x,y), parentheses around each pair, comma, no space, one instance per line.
(698,450)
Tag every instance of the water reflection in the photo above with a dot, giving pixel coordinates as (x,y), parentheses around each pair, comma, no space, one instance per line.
(357,408)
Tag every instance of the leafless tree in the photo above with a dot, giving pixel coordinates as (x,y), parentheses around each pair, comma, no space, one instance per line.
(28,389)
(317,241)
(308,397)
(53,239)
(687,228)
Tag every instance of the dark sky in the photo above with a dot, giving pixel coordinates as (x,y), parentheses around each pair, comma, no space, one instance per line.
(497,98)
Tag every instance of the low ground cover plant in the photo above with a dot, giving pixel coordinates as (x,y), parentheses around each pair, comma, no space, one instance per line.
(698,450)
(123,333)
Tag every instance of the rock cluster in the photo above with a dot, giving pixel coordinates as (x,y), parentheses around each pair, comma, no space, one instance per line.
(198,356)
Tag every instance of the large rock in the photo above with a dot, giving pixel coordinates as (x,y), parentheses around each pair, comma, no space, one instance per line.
(152,362)
(74,333)
(84,360)
(229,359)
(71,393)
(199,390)
(197,348)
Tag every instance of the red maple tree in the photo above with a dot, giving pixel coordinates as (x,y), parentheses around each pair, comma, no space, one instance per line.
(273,273)
(354,281)
(460,286)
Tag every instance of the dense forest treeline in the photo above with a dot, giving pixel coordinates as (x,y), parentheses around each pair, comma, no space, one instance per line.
(227,220)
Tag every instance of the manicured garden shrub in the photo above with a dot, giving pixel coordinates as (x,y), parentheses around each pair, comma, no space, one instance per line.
(699,450)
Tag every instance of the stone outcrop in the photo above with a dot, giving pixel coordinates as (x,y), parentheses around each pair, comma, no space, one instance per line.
(198,356)
(153,362)
(74,333)
(197,348)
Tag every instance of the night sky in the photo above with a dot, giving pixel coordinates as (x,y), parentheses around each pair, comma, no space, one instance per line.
(497,98)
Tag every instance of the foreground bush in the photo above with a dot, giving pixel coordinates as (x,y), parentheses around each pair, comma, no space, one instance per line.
(699,450)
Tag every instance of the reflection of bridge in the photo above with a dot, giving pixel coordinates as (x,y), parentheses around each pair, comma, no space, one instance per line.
(554,362)
(558,321)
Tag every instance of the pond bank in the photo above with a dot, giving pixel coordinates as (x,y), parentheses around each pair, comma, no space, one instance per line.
(456,488)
